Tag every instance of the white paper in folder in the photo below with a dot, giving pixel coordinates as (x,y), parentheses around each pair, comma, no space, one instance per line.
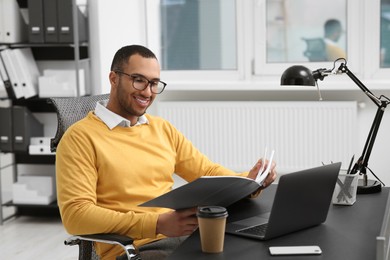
(61,83)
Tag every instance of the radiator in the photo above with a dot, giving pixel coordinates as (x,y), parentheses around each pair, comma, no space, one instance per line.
(235,134)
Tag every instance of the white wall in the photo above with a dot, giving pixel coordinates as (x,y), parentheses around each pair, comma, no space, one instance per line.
(112,24)
(116,23)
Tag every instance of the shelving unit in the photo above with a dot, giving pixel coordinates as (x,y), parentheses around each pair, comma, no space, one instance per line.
(75,54)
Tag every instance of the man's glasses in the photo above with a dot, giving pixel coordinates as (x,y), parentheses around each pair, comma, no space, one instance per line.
(141,83)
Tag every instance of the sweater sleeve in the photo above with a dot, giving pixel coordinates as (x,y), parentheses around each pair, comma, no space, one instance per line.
(77,179)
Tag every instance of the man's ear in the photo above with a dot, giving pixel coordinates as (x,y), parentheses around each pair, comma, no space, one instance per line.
(113,77)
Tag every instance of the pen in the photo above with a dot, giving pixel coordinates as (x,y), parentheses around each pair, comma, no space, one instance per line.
(350,164)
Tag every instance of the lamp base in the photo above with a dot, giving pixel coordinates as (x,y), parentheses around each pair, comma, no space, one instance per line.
(371,187)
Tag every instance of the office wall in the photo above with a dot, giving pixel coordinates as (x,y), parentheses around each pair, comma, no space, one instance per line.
(119,22)
(113,24)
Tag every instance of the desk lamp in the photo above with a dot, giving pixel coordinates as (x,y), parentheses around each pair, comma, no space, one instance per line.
(301,76)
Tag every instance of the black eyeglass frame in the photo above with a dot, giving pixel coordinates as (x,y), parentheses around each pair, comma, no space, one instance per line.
(150,82)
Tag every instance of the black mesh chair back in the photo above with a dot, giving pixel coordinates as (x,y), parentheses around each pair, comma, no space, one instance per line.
(71,110)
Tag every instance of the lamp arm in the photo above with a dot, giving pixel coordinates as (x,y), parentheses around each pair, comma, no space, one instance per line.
(344,69)
(362,163)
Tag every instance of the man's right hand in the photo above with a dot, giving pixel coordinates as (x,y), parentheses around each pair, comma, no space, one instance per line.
(177,223)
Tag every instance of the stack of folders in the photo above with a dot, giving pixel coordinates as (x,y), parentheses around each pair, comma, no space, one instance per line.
(19,73)
(51,21)
(15,135)
(13,28)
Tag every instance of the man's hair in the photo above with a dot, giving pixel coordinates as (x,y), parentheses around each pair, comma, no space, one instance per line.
(121,57)
(331,26)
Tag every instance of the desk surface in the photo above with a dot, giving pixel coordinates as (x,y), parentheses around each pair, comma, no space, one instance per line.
(348,233)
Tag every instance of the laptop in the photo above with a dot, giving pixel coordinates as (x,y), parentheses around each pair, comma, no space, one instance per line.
(302,200)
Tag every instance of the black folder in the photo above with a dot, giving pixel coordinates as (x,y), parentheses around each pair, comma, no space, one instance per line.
(65,22)
(206,190)
(50,20)
(36,29)
(6,129)
(25,126)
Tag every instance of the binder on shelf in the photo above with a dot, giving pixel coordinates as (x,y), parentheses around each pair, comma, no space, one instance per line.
(6,81)
(36,29)
(25,126)
(13,29)
(3,91)
(50,20)
(6,129)
(28,71)
(65,22)
(12,73)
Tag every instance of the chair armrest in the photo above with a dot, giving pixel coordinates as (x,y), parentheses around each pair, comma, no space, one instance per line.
(109,238)
(125,242)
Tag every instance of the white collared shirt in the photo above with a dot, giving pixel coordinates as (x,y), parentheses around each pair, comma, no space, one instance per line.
(112,120)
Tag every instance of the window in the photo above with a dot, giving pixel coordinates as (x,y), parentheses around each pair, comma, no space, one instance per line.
(303,32)
(253,41)
(385,34)
(198,35)
(193,36)
(312,35)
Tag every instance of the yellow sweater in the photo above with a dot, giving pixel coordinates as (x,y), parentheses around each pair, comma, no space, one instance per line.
(103,174)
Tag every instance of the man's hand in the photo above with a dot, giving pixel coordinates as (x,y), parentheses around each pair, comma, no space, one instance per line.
(271,176)
(177,223)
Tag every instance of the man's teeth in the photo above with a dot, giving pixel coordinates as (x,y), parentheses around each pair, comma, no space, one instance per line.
(144,101)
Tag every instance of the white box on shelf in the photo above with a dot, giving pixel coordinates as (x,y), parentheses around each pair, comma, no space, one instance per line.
(40,141)
(61,83)
(39,149)
(34,189)
(39,145)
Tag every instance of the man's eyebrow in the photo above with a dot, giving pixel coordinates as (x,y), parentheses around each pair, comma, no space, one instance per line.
(137,74)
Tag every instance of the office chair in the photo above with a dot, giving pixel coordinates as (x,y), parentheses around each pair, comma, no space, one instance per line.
(69,111)
(315,49)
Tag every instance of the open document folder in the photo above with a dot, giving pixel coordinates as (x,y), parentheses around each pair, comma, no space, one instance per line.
(211,190)
(207,190)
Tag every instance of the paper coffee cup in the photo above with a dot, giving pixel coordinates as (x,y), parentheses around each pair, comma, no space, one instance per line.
(212,223)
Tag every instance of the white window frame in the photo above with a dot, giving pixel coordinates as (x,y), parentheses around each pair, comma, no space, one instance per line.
(373,71)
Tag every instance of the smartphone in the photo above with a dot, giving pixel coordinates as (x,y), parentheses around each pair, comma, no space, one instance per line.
(295,250)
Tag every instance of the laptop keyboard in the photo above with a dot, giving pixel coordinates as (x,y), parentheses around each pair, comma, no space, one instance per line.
(258,230)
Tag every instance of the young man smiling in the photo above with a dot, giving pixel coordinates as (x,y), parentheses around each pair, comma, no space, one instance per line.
(118,157)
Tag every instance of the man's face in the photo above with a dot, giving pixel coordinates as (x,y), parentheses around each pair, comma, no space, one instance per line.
(133,103)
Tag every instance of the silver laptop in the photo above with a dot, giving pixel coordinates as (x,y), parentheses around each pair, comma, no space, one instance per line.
(302,200)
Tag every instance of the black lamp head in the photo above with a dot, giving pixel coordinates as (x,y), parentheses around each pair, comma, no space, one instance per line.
(297,75)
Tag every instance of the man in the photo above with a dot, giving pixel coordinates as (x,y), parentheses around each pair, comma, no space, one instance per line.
(118,157)
(333,31)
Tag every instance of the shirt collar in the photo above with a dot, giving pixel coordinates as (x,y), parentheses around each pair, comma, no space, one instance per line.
(111,119)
